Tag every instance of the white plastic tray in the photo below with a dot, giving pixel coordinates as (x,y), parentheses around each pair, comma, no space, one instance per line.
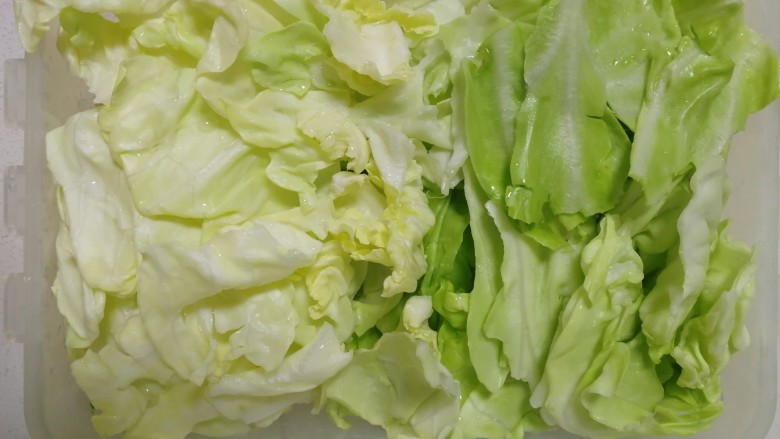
(40,94)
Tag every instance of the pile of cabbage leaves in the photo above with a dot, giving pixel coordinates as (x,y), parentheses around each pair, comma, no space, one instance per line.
(449,218)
